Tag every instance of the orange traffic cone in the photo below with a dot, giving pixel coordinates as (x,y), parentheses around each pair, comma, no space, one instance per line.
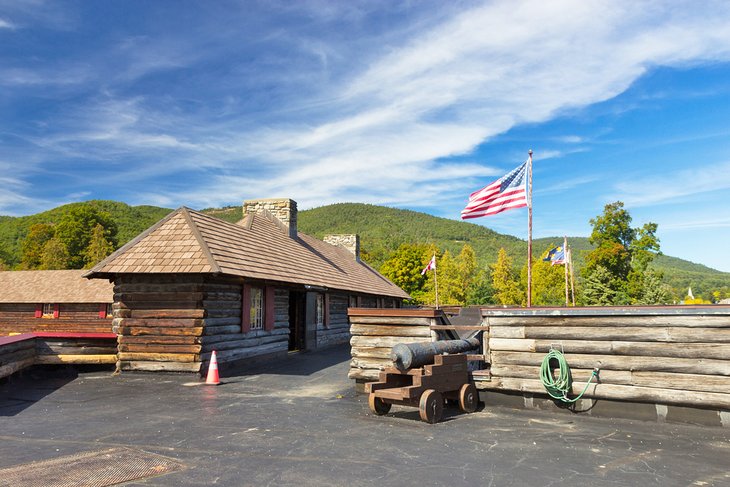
(213,379)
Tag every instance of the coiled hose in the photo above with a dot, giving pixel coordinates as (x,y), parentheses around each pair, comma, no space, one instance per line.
(559,387)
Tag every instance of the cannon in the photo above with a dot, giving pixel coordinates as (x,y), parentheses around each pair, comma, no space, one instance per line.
(424,375)
(411,355)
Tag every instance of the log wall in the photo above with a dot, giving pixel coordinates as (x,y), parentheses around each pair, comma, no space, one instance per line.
(16,353)
(72,317)
(336,330)
(662,355)
(174,322)
(375,331)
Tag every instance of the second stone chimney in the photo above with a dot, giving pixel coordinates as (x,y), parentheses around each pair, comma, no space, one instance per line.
(351,243)
(283,209)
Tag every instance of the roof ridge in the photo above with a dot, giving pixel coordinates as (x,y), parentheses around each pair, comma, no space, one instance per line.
(121,250)
(199,237)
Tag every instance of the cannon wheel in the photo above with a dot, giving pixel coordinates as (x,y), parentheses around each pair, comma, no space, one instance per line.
(468,398)
(431,406)
(377,405)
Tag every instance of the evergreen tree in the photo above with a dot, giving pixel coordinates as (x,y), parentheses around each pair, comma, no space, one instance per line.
(55,255)
(506,288)
(75,229)
(598,287)
(99,247)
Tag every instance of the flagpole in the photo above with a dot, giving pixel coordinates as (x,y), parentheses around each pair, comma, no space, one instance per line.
(529,233)
(565,262)
(572,277)
(436,284)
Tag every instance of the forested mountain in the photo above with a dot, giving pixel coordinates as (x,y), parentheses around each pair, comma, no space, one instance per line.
(381,230)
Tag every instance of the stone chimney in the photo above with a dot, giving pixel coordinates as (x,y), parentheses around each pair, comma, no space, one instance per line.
(283,209)
(351,243)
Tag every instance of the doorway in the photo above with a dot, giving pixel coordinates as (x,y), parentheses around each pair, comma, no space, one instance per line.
(297,320)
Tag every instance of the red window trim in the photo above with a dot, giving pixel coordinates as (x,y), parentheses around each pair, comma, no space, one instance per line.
(102,310)
(246,309)
(39,311)
(56,310)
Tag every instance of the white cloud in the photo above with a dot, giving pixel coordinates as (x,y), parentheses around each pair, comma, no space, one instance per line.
(670,187)
(6,24)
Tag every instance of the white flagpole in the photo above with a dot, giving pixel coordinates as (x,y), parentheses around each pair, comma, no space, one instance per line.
(565,264)
(572,277)
(435,282)
(529,233)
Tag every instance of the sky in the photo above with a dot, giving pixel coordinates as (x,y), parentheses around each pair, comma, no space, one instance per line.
(408,104)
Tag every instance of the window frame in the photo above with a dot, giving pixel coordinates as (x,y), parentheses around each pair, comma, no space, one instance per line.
(257,308)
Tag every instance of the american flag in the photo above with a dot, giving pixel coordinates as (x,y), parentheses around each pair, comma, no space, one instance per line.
(505,193)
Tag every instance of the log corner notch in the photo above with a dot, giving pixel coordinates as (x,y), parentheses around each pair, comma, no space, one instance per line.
(374,331)
(667,356)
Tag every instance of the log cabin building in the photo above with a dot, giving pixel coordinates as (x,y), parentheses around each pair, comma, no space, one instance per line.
(257,289)
(54,301)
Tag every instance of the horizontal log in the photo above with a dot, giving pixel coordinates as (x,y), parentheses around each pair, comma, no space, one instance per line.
(164,340)
(620,362)
(379,342)
(206,339)
(390,320)
(686,350)
(28,344)
(245,343)
(684,321)
(370,363)
(159,348)
(11,368)
(380,330)
(159,305)
(232,320)
(167,313)
(155,322)
(158,357)
(160,296)
(17,355)
(77,359)
(160,366)
(140,331)
(640,334)
(222,330)
(243,353)
(662,380)
(77,350)
(618,392)
(460,327)
(363,374)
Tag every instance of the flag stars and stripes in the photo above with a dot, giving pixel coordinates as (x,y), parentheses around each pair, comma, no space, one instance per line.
(506,193)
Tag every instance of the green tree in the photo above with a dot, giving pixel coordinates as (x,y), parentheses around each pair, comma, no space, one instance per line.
(34,243)
(506,287)
(99,247)
(404,268)
(548,282)
(654,290)
(620,259)
(76,227)
(55,255)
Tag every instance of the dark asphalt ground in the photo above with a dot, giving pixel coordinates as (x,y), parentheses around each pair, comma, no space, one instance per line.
(299,422)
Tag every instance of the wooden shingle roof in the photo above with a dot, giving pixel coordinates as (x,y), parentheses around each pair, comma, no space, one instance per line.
(67,286)
(188,241)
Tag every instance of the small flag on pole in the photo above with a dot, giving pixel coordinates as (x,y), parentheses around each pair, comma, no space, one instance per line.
(431,265)
(555,256)
(505,193)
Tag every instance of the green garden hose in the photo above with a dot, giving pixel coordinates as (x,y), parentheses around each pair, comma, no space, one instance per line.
(559,387)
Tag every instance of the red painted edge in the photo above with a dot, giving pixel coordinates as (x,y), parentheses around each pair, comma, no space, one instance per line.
(414,313)
(16,338)
(51,334)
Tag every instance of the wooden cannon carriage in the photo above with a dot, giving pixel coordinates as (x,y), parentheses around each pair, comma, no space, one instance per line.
(441,377)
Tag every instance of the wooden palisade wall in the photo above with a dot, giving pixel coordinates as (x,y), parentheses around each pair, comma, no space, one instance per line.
(375,331)
(663,355)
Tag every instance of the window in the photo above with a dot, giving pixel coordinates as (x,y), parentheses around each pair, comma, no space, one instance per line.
(109,311)
(257,308)
(352,301)
(48,310)
(319,310)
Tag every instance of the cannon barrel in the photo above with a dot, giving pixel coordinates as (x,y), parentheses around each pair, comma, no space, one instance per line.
(410,355)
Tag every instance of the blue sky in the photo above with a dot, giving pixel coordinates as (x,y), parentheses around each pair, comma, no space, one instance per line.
(411,104)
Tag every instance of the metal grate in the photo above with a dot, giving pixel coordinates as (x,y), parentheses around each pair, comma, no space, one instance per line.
(89,469)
